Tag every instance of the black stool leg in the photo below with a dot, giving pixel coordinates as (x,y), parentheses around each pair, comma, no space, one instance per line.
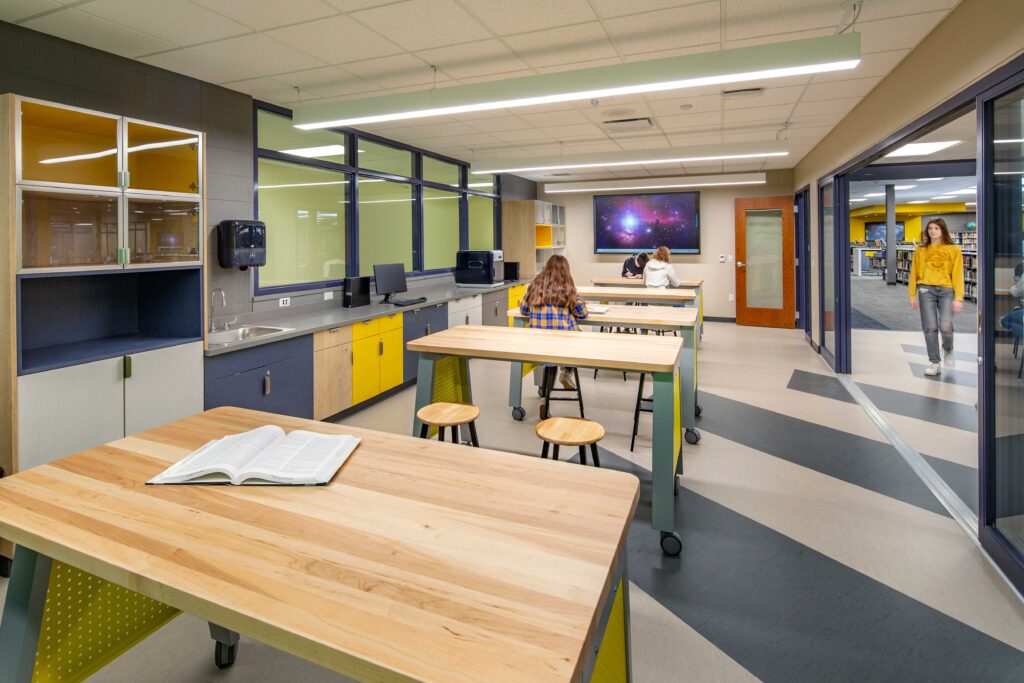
(440,433)
(636,412)
(579,389)
(583,455)
(554,454)
(593,454)
(544,450)
(549,383)
(455,433)
(424,430)
(472,434)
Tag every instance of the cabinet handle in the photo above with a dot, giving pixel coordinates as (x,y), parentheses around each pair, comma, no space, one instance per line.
(467,319)
(351,357)
(495,310)
(266,384)
(336,329)
(127,367)
(380,347)
(428,328)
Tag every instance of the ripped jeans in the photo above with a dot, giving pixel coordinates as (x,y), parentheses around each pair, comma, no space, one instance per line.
(936,306)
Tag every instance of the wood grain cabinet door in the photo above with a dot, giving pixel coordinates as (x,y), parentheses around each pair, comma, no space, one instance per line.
(332,381)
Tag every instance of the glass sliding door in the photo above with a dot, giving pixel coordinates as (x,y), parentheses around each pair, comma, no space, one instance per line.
(834,282)
(1001,205)
(826,259)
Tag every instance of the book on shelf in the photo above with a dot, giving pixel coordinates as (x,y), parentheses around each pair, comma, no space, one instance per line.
(265,456)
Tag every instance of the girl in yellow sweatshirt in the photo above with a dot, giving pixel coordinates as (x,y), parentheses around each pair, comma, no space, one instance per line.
(936,287)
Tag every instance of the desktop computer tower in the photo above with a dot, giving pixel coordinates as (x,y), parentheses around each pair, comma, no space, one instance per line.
(357,292)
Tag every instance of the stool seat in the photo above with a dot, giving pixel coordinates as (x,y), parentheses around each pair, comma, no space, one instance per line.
(570,431)
(447,414)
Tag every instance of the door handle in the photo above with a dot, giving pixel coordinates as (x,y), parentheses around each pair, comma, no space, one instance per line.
(266,384)
(428,328)
(380,347)
(740,264)
(467,319)
(127,367)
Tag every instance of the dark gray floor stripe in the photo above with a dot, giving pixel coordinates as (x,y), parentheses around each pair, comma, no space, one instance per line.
(786,612)
(962,479)
(858,460)
(964,379)
(860,320)
(927,408)
(965,356)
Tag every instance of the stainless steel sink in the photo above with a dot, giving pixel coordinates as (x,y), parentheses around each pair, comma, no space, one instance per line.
(244,333)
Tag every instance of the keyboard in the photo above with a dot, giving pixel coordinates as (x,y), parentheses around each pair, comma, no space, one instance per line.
(408,302)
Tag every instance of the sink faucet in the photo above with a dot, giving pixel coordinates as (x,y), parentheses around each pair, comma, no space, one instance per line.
(217,293)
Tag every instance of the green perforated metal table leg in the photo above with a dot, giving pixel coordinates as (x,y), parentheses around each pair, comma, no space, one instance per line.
(666,448)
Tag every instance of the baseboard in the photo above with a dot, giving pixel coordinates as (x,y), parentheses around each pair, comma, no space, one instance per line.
(384,395)
(817,348)
(718,319)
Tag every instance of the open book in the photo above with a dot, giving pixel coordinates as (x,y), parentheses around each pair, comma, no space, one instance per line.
(265,456)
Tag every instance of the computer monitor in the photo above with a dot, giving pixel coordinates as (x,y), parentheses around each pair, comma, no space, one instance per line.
(389,278)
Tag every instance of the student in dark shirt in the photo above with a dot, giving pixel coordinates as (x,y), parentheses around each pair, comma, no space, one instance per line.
(633,266)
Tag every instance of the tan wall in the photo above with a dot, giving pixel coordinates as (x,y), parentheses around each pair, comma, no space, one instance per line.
(976,38)
(717,235)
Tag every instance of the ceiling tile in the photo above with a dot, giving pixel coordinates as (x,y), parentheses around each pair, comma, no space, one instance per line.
(666,29)
(420,24)
(480,58)
(323,38)
(260,53)
(396,71)
(675,52)
(497,77)
(328,81)
(801,132)
(771,97)
(441,130)
(658,141)
(101,34)
(583,147)
(618,8)
(352,5)
(840,105)
(556,47)
(690,120)
(753,136)
(874,64)
(199,66)
(260,15)
(559,118)
(897,33)
(499,123)
(697,105)
(266,89)
(885,10)
(523,136)
(179,22)
(586,130)
(744,20)
(828,91)
(605,112)
(16,10)
(505,17)
(576,66)
(777,113)
(767,38)
(696,140)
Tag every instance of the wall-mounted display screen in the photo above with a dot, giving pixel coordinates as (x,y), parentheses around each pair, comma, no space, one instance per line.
(628,223)
(876,231)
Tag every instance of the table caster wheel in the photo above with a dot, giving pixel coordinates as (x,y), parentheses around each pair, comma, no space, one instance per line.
(224,655)
(692,436)
(698,410)
(5,567)
(518,414)
(671,543)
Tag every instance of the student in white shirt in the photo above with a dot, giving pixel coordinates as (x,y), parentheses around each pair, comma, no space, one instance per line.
(659,272)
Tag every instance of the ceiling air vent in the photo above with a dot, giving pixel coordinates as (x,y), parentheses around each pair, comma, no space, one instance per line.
(557,175)
(633,125)
(742,92)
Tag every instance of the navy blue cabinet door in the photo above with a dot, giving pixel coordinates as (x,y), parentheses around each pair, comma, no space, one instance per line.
(417,324)
(284,387)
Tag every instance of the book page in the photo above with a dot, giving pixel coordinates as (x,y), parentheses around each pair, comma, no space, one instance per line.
(302,457)
(228,455)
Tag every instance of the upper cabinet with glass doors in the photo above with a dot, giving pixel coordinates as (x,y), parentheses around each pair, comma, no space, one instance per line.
(98,191)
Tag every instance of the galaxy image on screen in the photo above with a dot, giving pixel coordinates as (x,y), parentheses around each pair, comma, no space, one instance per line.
(624,224)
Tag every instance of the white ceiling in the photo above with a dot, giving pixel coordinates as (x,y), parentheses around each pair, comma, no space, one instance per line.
(322,50)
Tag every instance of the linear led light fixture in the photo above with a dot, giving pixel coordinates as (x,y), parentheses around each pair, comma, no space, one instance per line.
(791,58)
(920,201)
(922,149)
(634,162)
(657,183)
(111,152)
(922,180)
(943,197)
(1008,142)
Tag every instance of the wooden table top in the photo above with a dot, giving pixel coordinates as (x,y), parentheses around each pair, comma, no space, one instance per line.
(419,561)
(636,282)
(640,316)
(556,347)
(592,292)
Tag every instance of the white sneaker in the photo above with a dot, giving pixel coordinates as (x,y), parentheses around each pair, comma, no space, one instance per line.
(949,359)
(933,369)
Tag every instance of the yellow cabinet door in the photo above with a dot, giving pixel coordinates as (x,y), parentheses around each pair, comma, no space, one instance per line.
(332,380)
(514,295)
(365,369)
(391,360)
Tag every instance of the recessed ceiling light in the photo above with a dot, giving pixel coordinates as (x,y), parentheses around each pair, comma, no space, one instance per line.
(919,201)
(618,113)
(921,149)
(966,190)
(634,162)
(322,151)
(942,197)
(905,187)
(858,199)
(733,65)
(923,180)
(875,194)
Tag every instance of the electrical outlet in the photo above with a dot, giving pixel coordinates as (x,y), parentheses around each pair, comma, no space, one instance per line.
(328,296)
(284,301)
(732,297)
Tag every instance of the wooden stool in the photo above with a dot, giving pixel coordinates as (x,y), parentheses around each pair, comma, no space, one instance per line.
(571,431)
(452,415)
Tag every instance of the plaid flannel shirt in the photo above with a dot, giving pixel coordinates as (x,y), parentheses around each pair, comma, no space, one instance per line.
(551,317)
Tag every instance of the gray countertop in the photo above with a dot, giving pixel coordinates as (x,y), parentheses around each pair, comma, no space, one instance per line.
(303,323)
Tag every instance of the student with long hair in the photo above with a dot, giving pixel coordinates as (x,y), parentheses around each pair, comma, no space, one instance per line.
(659,272)
(936,288)
(552,304)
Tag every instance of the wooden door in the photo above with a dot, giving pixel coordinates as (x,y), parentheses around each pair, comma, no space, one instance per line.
(164,385)
(765,266)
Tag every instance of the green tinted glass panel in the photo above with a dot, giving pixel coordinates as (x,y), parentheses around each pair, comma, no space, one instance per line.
(438,171)
(385,159)
(276,132)
(440,228)
(481,183)
(304,209)
(481,222)
(385,224)
(764,258)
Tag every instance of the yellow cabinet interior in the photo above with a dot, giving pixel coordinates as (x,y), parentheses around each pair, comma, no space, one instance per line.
(60,145)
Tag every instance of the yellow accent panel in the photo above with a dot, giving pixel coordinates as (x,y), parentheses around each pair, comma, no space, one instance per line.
(447,387)
(391,322)
(908,210)
(391,360)
(611,665)
(369,328)
(677,421)
(365,369)
(89,622)
(515,294)
(912,229)
(856,229)
(543,235)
